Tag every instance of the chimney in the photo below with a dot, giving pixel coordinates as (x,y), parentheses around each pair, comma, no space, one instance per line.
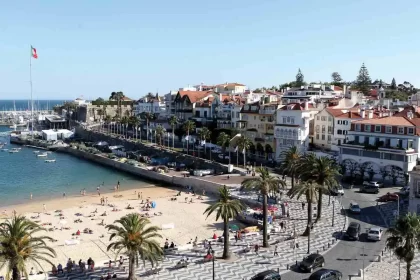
(370,114)
(306,105)
(410,114)
(362,113)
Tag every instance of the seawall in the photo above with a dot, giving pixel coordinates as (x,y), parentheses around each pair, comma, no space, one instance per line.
(173,181)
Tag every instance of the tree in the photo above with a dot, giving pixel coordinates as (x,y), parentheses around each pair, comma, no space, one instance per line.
(264,184)
(223,140)
(363,80)
(291,159)
(226,209)
(173,121)
(136,238)
(309,190)
(124,124)
(188,127)
(99,99)
(300,81)
(336,79)
(404,239)
(20,242)
(160,133)
(244,143)
(117,96)
(393,84)
(322,171)
(147,117)
(204,135)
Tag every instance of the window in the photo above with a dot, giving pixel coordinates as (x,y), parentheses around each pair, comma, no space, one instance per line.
(330,119)
(367,127)
(329,129)
(377,128)
(317,128)
(410,144)
(339,132)
(358,127)
(323,118)
(317,118)
(400,130)
(329,138)
(317,137)
(288,119)
(292,120)
(388,129)
(410,130)
(284,119)
(323,129)
(323,136)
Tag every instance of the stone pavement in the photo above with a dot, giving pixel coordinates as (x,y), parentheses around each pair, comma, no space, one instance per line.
(383,271)
(245,265)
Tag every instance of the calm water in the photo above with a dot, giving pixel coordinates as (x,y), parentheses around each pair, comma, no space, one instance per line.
(23,105)
(23,173)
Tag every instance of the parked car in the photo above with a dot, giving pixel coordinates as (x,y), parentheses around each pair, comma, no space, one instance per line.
(388,197)
(367,188)
(267,275)
(373,184)
(222,156)
(374,234)
(353,231)
(337,190)
(326,274)
(354,208)
(311,262)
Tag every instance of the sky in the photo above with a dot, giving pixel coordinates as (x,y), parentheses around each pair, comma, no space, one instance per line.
(91,48)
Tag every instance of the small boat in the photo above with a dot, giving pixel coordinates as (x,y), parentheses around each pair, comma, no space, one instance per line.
(35,152)
(14,150)
(41,155)
(50,160)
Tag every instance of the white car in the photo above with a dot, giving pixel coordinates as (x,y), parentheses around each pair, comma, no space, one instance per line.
(373,184)
(374,234)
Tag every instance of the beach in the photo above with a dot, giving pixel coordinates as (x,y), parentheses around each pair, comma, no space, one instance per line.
(187,218)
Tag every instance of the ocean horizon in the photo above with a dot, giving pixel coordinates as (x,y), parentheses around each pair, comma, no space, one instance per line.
(24,104)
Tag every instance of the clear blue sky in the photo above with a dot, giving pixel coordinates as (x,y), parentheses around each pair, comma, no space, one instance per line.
(94,47)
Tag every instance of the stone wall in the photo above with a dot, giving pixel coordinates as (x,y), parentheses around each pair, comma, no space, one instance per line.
(172,181)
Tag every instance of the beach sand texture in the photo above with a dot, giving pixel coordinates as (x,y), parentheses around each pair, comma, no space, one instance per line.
(187,218)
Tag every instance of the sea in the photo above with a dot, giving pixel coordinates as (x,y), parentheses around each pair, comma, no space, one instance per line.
(23,105)
(24,173)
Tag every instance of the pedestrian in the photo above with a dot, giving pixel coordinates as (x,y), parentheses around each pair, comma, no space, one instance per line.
(275,250)
(64,194)
(118,185)
(288,214)
(256,247)
(45,207)
(141,195)
(138,196)
(281,225)
(228,177)
(303,205)
(236,238)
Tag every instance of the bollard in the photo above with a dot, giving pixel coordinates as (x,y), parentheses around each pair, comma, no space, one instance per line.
(296,263)
(382,253)
(379,259)
(287,266)
(333,241)
(317,251)
(323,248)
(328,244)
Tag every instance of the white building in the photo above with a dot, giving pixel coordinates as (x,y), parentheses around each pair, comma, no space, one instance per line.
(154,105)
(388,145)
(312,94)
(293,126)
(414,196)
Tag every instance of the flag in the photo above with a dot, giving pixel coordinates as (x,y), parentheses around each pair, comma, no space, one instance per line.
(33,53)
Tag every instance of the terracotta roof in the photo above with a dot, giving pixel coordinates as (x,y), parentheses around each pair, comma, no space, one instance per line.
(374,92)
(296,107)
(402,121)
(403,113)
(349,114)
(337,88)
(194,96)
(125,98)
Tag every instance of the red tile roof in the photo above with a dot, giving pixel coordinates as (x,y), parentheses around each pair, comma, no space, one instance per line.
(296,107)
(337,88)
(401,121)
(349,114)
(194,96)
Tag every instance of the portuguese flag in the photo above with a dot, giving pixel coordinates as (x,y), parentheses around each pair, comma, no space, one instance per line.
(33,53)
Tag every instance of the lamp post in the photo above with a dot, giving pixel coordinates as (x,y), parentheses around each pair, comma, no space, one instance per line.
(212,254)
(333,216)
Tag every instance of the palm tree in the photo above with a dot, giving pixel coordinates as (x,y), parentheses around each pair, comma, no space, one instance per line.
(117,96)
(20,241)
(291,159)
(264,184)
(223,140)
(243,144)
(136,238)
(308,189)
(404,239)
(188,127)
(173,121)
(124,123)
(147,117)
(226,209)
(160,133)
(323,171)
(107,120)
(204,135)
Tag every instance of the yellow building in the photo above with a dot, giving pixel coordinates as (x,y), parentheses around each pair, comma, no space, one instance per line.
(258,121)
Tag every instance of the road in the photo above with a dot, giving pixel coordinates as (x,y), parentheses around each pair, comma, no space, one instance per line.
(351,256)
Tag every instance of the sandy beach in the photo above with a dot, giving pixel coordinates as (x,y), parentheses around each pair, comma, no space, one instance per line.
(187,218)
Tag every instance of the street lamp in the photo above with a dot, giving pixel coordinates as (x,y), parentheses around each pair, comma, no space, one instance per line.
(333,216)
(212,254)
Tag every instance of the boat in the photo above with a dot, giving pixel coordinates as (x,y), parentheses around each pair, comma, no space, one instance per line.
(50,160)
(14,150)
(35,152)
(41,155)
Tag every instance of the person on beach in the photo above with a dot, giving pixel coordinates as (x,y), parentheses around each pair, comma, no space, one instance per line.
(45,207)
(84,191)
(64,194)
(31,196)
(138,196)
(98,190)
(118,185)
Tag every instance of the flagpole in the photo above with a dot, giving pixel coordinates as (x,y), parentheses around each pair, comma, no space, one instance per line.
(32,102)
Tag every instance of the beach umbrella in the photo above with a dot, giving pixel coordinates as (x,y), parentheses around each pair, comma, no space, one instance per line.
(234,228)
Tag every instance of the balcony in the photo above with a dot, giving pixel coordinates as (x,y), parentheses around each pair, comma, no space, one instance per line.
(387,148)
(267,112)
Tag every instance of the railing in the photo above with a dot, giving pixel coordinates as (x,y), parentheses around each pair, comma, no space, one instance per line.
(374,147)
